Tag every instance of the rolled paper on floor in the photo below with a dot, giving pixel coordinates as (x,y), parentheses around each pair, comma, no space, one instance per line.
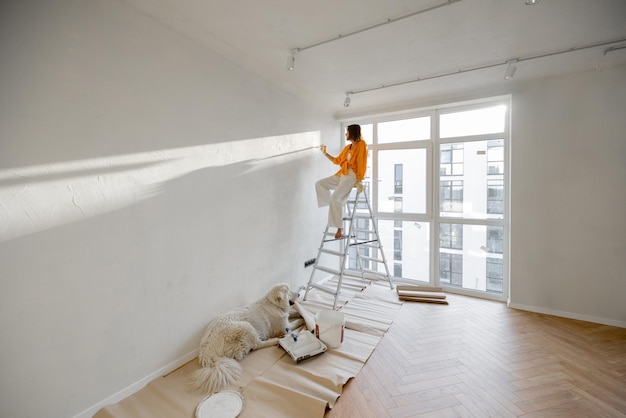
(309,318)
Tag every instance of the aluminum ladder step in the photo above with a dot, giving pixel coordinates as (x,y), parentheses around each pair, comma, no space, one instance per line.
(358,208)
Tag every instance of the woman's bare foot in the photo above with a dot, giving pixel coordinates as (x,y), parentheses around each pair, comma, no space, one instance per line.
(338,234)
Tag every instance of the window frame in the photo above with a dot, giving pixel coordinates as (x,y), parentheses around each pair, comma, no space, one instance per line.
(431,147)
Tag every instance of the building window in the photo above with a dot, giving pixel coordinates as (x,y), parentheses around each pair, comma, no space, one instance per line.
(495,239)
(397,270)
(451,163)
(451,196)
(451,236)
(495,196)
(495,157)
(397,179)
(397,204)
(397,244)
(494,275)
(451,269)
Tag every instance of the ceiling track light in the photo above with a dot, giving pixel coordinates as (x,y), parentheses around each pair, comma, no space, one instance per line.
(346,102)
(498,64)
(510,69)
(531,2)
(291,59)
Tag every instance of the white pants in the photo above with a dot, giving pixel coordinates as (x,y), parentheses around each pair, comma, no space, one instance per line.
(342,185)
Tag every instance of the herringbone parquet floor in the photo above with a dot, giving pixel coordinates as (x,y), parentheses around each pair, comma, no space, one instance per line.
(478,358)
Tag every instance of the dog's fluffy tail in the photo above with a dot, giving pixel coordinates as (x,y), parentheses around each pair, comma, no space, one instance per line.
(219,373)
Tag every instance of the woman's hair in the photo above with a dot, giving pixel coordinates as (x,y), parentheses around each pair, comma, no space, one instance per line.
(354,132)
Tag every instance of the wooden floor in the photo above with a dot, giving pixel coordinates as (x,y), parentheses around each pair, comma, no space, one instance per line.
(478,358)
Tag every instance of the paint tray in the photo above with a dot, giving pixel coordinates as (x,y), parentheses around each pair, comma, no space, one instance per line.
(307,345)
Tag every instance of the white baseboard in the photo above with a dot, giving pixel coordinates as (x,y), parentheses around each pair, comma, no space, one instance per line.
(588,318)
(126,392)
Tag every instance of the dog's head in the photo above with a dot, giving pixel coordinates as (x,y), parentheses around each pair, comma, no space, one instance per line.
(281,296)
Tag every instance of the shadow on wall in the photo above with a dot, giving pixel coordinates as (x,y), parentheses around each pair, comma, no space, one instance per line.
(36,198)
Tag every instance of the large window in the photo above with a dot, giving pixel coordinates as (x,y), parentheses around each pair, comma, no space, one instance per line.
(438,181)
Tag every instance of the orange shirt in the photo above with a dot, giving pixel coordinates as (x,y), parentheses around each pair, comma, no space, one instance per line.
(357,159)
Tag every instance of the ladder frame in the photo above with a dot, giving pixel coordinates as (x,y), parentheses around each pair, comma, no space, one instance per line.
(348,241)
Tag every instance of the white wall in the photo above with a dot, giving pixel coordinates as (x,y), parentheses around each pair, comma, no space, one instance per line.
(569,196)
(146,185)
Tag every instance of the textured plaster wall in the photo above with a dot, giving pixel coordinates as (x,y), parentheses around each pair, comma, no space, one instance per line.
(146,185)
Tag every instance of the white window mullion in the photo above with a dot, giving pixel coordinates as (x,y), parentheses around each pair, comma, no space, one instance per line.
(434,181)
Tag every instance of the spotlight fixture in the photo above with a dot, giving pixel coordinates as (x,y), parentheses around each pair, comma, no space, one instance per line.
(346,102)
(291,62)
(531,2)
(510,69)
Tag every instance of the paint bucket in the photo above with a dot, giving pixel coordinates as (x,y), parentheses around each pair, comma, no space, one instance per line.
(329,326)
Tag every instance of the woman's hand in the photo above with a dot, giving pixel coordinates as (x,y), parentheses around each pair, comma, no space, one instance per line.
(323,148)
(359,186)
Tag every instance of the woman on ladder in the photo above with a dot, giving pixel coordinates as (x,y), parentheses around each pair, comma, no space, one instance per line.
(353,163)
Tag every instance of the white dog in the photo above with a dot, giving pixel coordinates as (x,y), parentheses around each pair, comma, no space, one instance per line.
(232,335)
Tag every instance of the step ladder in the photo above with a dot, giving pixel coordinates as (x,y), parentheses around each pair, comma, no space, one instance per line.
(361,243)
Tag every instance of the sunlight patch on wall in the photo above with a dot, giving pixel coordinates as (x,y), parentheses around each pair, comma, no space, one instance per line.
(40,197)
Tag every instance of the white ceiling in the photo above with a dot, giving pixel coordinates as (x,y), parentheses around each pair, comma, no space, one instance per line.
(461,34)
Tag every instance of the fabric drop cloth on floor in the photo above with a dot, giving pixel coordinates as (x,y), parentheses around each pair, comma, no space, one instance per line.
(272,384)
